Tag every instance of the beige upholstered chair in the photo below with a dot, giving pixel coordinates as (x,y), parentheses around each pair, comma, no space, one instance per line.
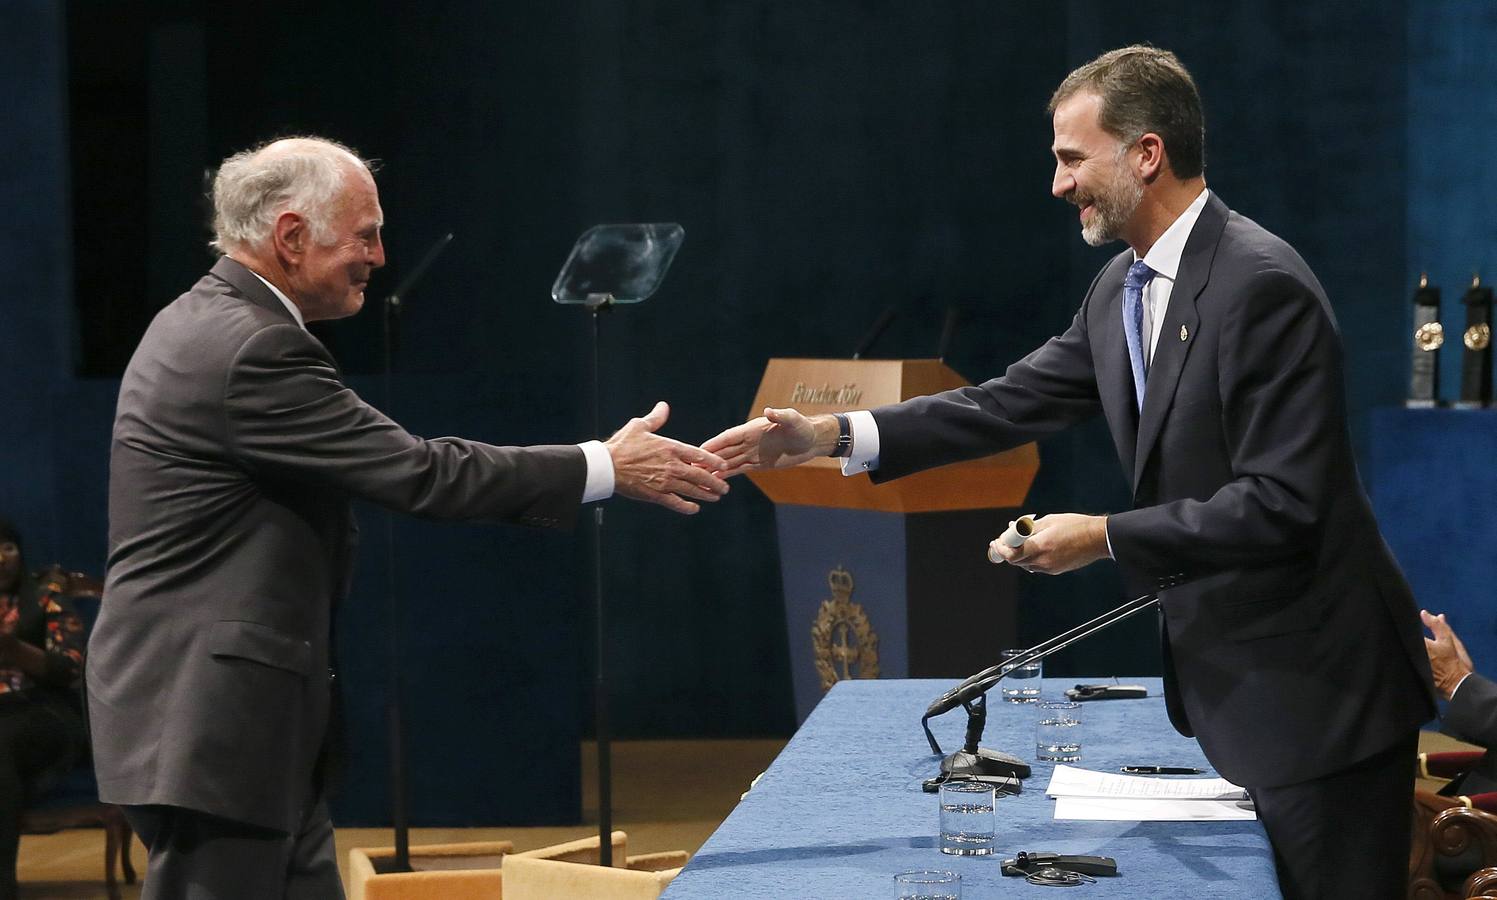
(467,871)
(572,870)
(491,871)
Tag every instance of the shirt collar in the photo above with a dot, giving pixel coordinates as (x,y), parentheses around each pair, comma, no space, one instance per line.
(286,301)
(1164,256)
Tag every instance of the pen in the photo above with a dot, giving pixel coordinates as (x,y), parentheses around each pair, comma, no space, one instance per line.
(1161,770)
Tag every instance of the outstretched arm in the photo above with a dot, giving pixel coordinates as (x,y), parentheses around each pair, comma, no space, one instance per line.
(656,469)
(779,439)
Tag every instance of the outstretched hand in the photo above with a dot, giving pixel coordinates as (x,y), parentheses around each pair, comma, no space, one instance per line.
(1061,542)
(1448,659)
(656,469)
(779,439)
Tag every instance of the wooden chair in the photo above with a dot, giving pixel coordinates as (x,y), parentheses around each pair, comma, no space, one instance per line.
(1455,846)
(73,802)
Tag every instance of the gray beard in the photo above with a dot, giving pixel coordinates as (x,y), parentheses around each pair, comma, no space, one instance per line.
(1111,211)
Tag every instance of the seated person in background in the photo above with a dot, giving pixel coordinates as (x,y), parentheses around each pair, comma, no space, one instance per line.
(1472,714)
(41,657)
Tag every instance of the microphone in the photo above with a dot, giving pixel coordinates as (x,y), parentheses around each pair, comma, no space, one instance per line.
(953,315)
(878,329)
(397,295)
(979,684)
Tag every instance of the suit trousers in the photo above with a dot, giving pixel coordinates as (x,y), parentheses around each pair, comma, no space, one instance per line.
(1345,834)
(195,856)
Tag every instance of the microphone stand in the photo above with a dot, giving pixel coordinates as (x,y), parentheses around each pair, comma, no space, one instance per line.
(597,304)
(399,814)
(972,695)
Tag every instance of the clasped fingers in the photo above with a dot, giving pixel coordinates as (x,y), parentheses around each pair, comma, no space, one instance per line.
(694,481)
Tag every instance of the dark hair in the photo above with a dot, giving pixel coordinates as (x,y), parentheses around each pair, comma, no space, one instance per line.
(1145,89)
(8,533)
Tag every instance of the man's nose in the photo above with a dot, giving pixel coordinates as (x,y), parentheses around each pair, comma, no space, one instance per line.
(377,254)
(1062,183)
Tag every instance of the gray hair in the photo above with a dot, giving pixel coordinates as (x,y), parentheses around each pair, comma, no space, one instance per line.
(1145,89)
(299,174)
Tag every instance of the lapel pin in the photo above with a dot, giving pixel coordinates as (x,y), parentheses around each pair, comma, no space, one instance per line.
(1184,332)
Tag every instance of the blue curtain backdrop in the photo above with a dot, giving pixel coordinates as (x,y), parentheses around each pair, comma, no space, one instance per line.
(826,159)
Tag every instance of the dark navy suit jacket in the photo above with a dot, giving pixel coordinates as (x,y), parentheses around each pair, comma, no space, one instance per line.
(1292,642)
(1472,715)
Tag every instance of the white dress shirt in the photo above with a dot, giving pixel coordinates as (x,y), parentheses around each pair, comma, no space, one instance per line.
(599,484)
(1163,258)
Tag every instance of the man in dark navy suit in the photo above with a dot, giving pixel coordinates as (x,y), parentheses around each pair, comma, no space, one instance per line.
(1292,648)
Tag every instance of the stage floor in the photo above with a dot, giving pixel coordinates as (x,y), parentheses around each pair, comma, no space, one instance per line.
(668,795)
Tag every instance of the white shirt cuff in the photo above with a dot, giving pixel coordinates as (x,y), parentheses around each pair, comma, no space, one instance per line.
(599,484)
(1459,683)
(1107,533)
(864,454)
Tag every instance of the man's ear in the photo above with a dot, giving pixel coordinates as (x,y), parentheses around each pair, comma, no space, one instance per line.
(1151,159)
(291,236)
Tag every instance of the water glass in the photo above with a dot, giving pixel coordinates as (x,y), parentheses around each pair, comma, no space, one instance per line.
(969,816)
(1022,685)
(1057,736)
(928,884)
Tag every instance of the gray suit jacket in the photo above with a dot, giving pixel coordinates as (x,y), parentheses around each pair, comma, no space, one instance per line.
(1292,644)
(236,451)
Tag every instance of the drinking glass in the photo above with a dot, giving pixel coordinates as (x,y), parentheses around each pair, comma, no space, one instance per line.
(1022,685)
(968,818)
(928,884)
(1057,735)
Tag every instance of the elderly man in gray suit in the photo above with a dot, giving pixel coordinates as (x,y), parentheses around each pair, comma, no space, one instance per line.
(237,449)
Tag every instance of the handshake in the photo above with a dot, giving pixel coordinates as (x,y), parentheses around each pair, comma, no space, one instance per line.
(656,469)
(659,470)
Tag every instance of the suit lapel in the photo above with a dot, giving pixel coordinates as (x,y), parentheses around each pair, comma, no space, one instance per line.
(1178,333)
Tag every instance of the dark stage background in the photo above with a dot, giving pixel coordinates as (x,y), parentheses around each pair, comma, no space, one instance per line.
(826,159)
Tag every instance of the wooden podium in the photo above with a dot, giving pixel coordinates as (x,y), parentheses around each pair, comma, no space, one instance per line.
(888,580)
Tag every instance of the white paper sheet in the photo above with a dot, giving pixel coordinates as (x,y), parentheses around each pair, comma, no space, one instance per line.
(1150,810)
(1069,781)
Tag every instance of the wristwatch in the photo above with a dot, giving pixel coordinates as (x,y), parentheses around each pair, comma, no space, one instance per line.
(844,436)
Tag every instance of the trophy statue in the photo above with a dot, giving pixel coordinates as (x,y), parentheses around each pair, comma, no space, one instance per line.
(1429,336)
(1476,365)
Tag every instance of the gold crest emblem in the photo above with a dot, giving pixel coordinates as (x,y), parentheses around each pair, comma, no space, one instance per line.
(842,639)
(1478,337)
(1430,336)
(1184,333)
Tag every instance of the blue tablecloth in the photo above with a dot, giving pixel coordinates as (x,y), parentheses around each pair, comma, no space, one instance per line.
(840,811)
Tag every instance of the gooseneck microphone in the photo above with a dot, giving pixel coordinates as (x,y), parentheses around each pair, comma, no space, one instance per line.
(432,252)
(979,684)
(876,331)
(948,330)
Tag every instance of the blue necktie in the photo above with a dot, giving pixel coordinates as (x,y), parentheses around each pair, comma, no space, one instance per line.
(1139,275)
